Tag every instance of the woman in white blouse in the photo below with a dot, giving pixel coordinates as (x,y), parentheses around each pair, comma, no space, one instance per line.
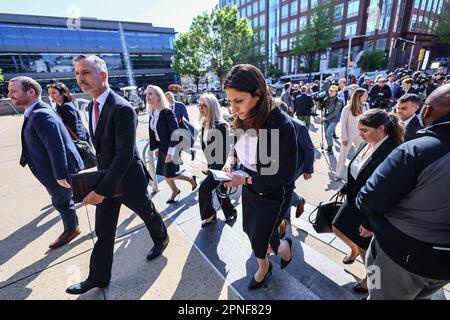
(162,125)
(381,133)
(349,128)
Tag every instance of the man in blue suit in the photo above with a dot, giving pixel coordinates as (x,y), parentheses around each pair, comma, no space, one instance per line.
(49,151)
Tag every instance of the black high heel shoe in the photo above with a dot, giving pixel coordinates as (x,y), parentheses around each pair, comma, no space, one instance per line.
(210,222)
(172,200)
(283,263)
(195,181)
(255,284)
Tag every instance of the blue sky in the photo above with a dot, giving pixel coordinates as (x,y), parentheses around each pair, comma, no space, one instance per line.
(177,14)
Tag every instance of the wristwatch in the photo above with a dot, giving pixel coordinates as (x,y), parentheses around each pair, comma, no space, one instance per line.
(246,180)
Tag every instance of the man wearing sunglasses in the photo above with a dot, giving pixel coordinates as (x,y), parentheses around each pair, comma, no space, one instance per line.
(408,203)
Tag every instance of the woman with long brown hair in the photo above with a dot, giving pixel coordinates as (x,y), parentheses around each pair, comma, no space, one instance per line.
(267,185)
(381,133)
(356,106)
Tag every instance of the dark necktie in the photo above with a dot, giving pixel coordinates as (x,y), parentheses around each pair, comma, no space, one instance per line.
(96,112)
(23,159)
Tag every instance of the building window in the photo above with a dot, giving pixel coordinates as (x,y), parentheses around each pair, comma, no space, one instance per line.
(439,9)
(424,2)
(302,23)
(350,29)
(430,2)
(294,8)
(435,4)
(284,28)
(313,3)
(353,8)
(262,21)
(293,28)
(262,5)
(249,10)
(337,31)
(284,11)
(386,12)
(338,12)
(417,4)
(413,22)
(284,45)
(255,7)
(381,44)
(303,5)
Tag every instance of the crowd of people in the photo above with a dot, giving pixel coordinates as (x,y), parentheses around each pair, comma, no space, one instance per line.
(396,213)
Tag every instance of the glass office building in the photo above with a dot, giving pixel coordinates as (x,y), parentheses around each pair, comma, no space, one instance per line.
(43,48)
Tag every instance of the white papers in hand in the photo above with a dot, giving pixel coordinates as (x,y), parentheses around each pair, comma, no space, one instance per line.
(220,175)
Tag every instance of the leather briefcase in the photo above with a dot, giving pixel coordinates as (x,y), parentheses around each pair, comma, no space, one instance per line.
(83,183)
(326,211)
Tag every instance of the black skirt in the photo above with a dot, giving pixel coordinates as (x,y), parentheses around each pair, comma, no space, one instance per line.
(348,220)
(168,170)
(261,215)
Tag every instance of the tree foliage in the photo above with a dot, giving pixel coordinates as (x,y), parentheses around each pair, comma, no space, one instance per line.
(442,29)
(215,41)
(373,60)
(315,36)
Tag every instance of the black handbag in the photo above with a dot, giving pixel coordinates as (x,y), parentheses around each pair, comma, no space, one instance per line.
(326,211)
(85,150)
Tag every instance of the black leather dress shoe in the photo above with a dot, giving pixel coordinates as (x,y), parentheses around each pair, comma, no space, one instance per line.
(210,222)
(347,260)
(255,284)
(283,263)
(85,286)
(195,181)
(172,200)
(158,249)
(359,288)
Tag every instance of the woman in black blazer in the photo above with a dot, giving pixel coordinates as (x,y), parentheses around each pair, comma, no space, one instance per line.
(267,150)
(381,133)
(215,138)
(67,110)
(162,125)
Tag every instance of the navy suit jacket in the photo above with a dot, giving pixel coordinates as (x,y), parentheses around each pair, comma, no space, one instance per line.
(167,124)
(71,117)
(115,144)
(307,153)
(180,111)
(303,105)
(412,128)
(47,147)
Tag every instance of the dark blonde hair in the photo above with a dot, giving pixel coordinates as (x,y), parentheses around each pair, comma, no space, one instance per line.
(355,103)
(248,78)
(374,118)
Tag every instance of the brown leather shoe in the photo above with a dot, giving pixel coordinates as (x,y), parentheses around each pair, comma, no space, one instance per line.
(65,238)
(300,209)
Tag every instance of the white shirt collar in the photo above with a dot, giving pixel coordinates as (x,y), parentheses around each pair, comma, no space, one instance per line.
(30,109)
(406,122)
(102,98)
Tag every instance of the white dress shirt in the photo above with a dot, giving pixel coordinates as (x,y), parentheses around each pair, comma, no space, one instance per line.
(246,149)
(363,157)
(101,102)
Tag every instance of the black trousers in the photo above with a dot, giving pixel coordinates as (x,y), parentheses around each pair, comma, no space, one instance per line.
(205,197)
(106,219)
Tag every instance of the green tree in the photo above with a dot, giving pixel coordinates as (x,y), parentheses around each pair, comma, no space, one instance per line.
(373,60)
(274,72)
(256,53)
(2,78)
(315,36)
(442,29)
(224,38)
(189,60)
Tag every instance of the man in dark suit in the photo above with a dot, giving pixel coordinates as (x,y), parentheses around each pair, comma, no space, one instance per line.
(407,106)
(112,126)
(303,107)
(49,151)
(181,113)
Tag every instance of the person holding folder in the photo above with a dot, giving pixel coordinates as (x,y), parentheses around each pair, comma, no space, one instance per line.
(214,138)
(112,124)
(269,183)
